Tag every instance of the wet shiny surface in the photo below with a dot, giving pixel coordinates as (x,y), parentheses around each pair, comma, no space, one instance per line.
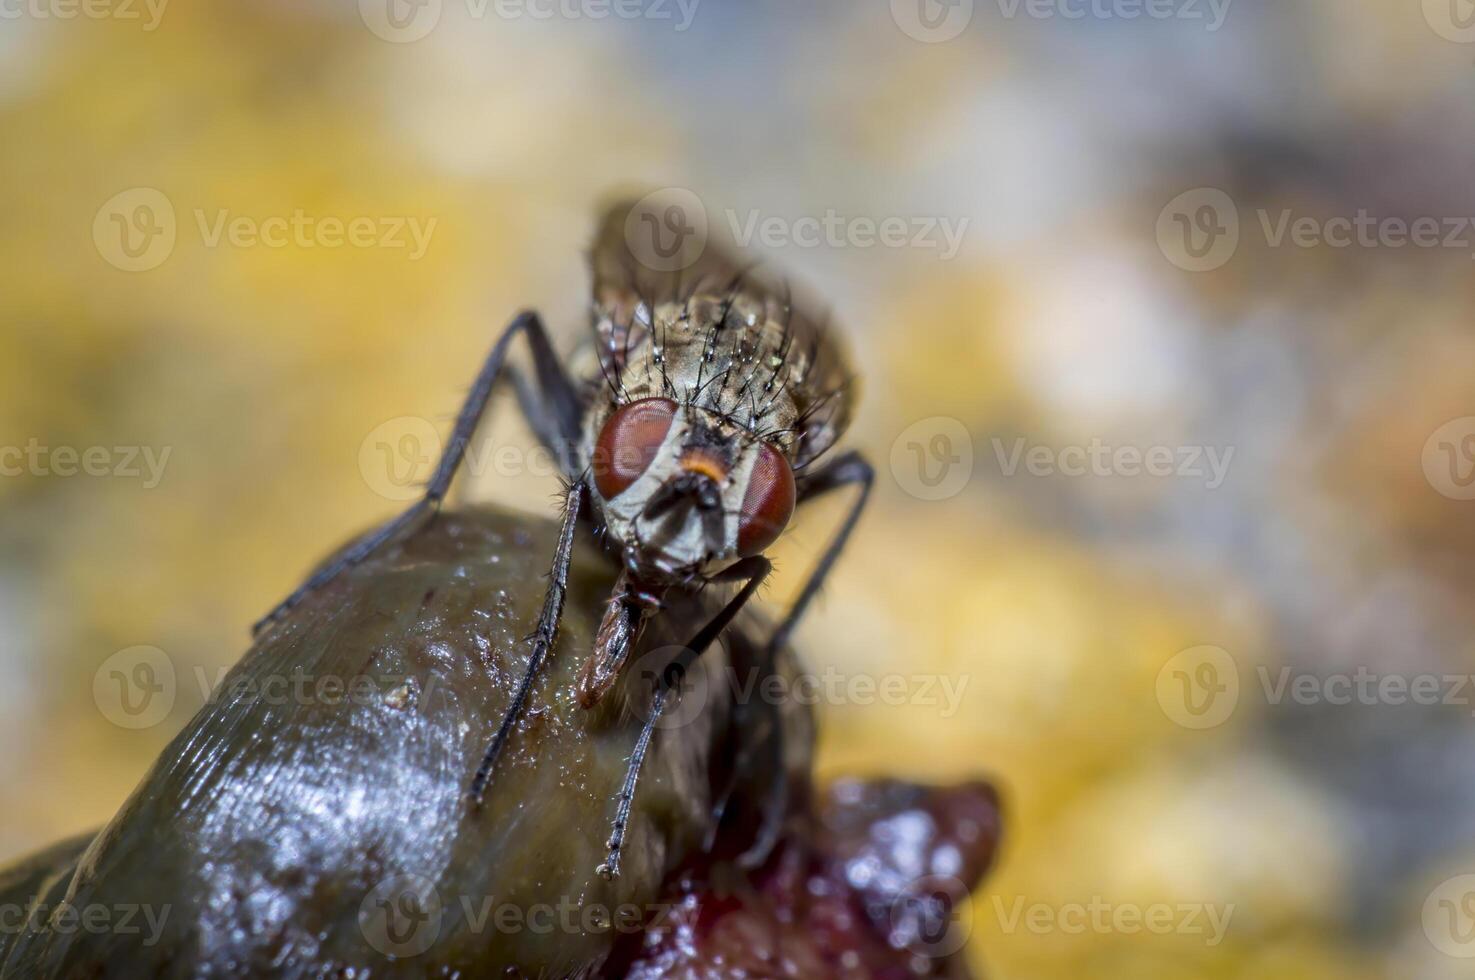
(330,775)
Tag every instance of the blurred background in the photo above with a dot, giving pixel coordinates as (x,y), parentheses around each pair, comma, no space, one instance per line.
(1168,376)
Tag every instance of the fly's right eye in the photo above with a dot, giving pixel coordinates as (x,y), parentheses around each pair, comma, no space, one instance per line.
(628,443)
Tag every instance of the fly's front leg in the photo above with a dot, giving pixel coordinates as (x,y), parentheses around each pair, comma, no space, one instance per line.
(752,570)
(543,638)
(562,401)
(851,469)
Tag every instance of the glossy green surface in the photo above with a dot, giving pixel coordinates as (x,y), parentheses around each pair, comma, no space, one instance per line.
(329,778)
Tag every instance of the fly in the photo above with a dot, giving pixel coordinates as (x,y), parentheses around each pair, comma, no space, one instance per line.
(700,424)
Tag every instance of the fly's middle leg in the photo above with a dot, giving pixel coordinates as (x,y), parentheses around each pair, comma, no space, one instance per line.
(561,398)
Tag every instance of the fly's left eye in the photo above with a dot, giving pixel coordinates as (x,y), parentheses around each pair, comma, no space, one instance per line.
(628,443)
(768,503)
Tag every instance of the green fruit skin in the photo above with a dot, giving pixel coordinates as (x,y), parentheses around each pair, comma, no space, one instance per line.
(258,839)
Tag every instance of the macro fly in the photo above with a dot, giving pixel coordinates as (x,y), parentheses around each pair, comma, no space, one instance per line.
(703,418)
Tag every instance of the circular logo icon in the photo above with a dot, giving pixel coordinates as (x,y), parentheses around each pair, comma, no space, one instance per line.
(135,229)
(398,457)
(1198,230)
(1449,459)
(1453,20)
(1449,917)
(932,21)
(667,230)
(135,687)
(1199,687)
(933,459)
(688,690)
(400,21)
(932,917)
(401,916)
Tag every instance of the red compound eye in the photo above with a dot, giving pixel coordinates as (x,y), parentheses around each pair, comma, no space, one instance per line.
(768,504)
(628,443)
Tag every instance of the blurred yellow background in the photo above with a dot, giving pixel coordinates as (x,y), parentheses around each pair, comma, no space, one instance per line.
(1116,638)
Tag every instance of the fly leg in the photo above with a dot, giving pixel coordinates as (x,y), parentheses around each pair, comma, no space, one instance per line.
(754,570)
(851,469)
(543,637)
(548,424)
(560,397)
